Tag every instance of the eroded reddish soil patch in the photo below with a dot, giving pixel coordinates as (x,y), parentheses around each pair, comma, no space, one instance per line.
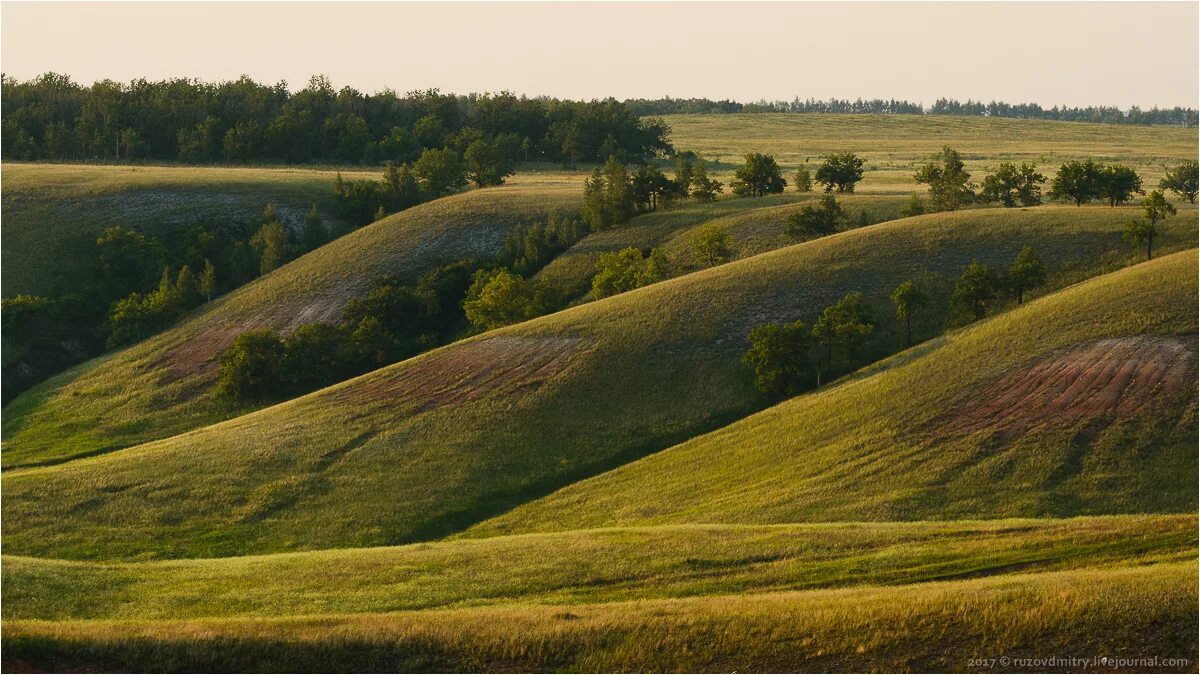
(1103,380)
(492,366)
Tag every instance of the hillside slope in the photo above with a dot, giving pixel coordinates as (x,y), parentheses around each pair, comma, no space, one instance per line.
(444,440)
(1081,402)
(160,387)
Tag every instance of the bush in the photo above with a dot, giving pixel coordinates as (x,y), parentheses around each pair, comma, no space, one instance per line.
(627,269)
(779,356)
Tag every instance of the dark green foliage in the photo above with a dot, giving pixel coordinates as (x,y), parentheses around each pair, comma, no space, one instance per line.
(439,172)
(43,335)
(528,247)
(487,162)
(840,172)
(1117,184)
(400,188)
(1026,273)
(842,327)
(652,189)
(129,260)
(685,171)
(1143,230)
(975,290)
(315,233)
(499,298)
(252,367)
(913,207)
(242,121)
(271,242)
(712,245)
(816,221)
(1183,180)
(1012,186)
(704,189)
(778,354)
(1076,181)
(357,201)
(949,184)
(803,180)
(627,269)
(758,176)
(608,197)
(908,299)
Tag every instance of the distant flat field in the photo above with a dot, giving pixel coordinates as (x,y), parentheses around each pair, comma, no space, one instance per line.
(893,144)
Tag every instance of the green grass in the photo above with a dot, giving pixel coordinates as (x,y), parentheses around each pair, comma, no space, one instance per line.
(1137,612)
(911,439)
(161,386)
(437,443)
(53,213)
(892,145)
(591,566)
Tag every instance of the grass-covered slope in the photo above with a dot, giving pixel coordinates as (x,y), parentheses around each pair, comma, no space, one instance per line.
(160,387)
(1114,613)
(53,213)
(893,144)
(1081,402)
(439,442)
(587,566)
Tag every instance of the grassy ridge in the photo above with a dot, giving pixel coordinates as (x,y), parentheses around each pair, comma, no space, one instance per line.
(893,144)
(439,442)
(941,432)
(1128,613)
(160,387)
(588,566)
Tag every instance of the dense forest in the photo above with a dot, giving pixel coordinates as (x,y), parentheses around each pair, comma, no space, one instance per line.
(1104,114)
(51,117)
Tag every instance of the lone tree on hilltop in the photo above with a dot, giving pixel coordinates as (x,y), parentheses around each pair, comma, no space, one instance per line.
(1026,273)
(778,355)
(1183,180)
(949,183)
(1077,181)
(840,172)
(816,221)
(758,176)
(908,299)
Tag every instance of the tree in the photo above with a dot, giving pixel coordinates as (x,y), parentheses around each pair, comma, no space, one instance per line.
(271,243)
(1011,186)
(1078,181)
(842,324)
(818,221)
(840,172)
(651,188)
(949,183)
(187,287)
(758,176)
(1026,273)
(803,180)
(704,189)
(252,367)
(314,235)
(608,198)
(486,164)
(1117,184)
(208,281)
(439,172)
(400,187)
(685,170)
(1143,230)
(499,298)
(129,260)
(627,269)
(975,290)
(1183,180)
(778,354)
(913,207)
(907,299)
(712,245)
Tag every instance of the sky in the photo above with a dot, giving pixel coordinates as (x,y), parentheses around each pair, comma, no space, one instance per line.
(1073,53)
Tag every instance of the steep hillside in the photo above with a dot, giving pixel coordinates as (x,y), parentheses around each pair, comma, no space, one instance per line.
(432,445)
(53,213)
(1082,402)
(161,386)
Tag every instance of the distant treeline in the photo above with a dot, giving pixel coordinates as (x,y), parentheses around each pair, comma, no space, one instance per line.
(51,117)
(1105,114)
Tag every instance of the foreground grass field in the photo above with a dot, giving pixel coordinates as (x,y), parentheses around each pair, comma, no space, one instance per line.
(1081,402)
(1120,613)
(53,213)
(162,386)
(440,442)
(894,144)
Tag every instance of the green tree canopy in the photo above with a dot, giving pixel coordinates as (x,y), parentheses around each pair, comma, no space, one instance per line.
(758,176)
(1076,181)
(949,183)
(1117,184)
(712,245)
(907,299)
(1026,273)
(840,172)
(778,355)
(1183,180)
(975,290)
(816,221)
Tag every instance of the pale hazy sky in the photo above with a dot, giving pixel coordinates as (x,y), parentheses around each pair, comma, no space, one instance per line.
(1079,53)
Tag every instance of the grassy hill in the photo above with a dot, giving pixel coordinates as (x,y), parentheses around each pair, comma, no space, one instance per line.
(53,213)
(161,386)
(432,445)
(892,144)
(1115,613)
(1081,402)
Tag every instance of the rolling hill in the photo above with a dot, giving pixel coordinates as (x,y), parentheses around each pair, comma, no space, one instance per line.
(160,387)
(1082,402)
(442,441)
